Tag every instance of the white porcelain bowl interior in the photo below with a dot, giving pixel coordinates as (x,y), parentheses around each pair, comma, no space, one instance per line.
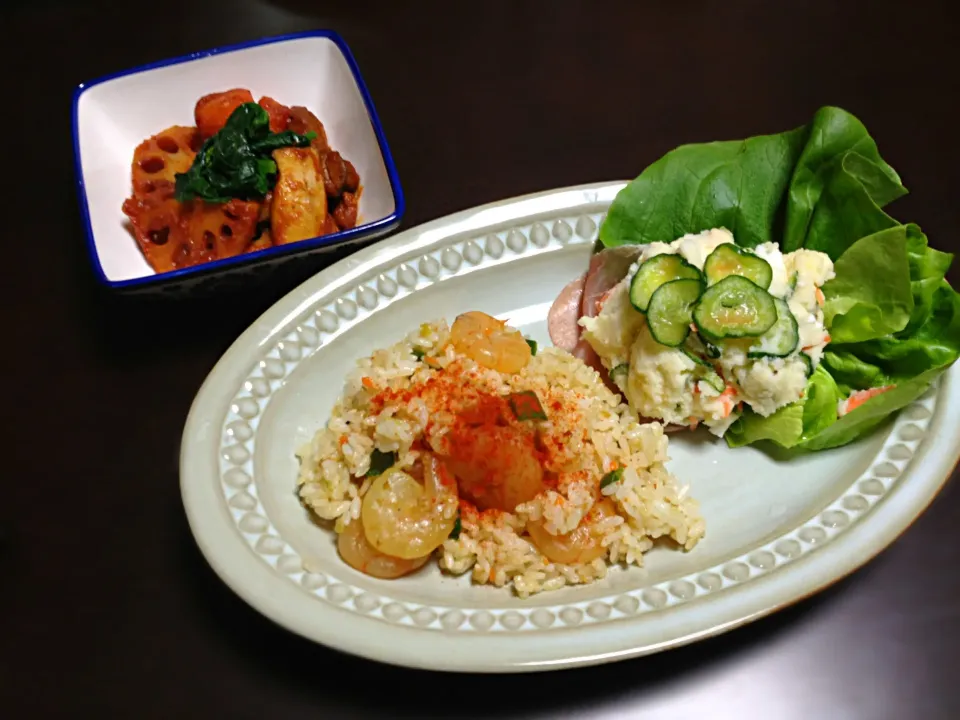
(114,115)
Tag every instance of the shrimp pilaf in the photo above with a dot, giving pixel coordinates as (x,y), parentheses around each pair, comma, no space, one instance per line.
(465,444)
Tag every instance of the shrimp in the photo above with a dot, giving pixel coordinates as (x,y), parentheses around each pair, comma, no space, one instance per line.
(358,553)
(406,519)
(496,466)
(578,547)
(490,342)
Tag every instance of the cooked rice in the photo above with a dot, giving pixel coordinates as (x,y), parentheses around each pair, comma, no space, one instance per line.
(602,435)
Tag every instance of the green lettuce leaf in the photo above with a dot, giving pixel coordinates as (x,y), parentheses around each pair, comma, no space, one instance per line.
(871,295)
(839,184)
(928,267)
(792,424)
(892,316)
(820,403)
(850,371)
(872,413)
(909,359)
(820,186)
(739,185)
(784,427)
(933,345)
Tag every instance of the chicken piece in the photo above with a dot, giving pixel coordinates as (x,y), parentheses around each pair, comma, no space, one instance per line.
(217,231)
(279,114)
(345,214)
(303,121)
(299,209)
(351,182)
(339,175)
(334,173)
(158,159)
(330,226)
(212,111)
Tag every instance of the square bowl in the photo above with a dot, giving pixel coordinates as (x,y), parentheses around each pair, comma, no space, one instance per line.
(114,114)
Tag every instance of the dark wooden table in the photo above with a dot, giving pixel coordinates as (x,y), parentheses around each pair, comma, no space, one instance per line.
(106,606)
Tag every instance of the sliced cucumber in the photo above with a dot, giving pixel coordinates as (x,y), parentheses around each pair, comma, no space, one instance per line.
(696,349)
(617,370)
(713,379)
(735,307)
(670,311)
(702,349)
(780,340)
(692,354)
(808,361)
(655,272)
(728,259)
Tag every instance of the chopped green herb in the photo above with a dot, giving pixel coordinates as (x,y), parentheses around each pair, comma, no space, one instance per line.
(533,345)
(237,162)
(793,280)
(457,527)
(526,405)
(380,462)
(418,353)
(611,477)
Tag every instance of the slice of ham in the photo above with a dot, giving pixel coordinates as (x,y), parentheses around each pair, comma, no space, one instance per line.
(579,298)
(583,297)
(607,268)
(565,331)
(564,314)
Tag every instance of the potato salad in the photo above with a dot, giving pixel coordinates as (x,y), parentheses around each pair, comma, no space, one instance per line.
(700,328)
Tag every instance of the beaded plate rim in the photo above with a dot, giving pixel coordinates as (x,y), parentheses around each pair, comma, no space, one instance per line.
(243,383)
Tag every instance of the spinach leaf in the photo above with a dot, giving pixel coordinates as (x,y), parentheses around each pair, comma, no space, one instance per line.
(236,162)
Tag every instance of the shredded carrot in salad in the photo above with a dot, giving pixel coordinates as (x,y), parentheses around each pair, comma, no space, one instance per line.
(727,397)
(859,397)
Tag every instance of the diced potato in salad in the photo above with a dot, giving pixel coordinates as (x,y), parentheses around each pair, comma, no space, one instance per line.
(700,328)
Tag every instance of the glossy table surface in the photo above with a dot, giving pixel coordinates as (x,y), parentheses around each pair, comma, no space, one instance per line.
(106,606)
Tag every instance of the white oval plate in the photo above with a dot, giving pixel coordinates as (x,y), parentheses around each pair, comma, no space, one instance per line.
(778,528)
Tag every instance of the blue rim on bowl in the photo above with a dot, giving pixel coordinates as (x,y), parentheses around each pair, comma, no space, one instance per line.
(295,248)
